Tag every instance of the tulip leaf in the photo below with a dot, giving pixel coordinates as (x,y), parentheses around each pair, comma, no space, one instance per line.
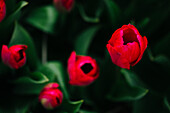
(35,78)
(84,39)
(56,69)
(161,45)
(127,88)
(21,36)
(166,102)
(10,19)
(74,106)
(151,103)
(113,10)
(18,104)
(30,84)
(85,17)
(43,18)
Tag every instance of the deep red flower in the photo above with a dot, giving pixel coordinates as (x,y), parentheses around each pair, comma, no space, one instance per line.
(2,10)
(82,70)
(15,56)
(51,97)
(63,5)
(126,46)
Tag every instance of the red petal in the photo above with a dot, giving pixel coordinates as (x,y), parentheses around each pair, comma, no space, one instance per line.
(117,58)
(143,46)
(5,54)
(124,55)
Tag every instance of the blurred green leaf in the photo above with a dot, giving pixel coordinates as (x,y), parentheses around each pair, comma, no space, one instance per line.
(166,102)
(43,18)
(73,107)
(113,11)
(163,61)
(127,88)
(151,103)
(10,19)
(35,78)
(21,36)
(84,39)
(161,45)
(85,17)
(142,24)
(85,111)
(17,104)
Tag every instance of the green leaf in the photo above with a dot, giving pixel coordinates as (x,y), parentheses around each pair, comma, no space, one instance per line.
(83,40)
(18,104)
(33,78)
(143,23)
(161,45)
(75,106)
(30,84)
(21,36)
(56,69)
(151,103)
(163,61)
(167,103)
(113,11)
(43,18)
(10,19)
(85,17)
(71,107)
(127,88)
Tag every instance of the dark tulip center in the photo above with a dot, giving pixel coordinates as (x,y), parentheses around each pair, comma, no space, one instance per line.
(129,36)
(57,99)
(86,68)
(21,55)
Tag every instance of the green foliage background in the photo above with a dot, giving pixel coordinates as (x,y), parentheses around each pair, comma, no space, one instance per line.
(145,88)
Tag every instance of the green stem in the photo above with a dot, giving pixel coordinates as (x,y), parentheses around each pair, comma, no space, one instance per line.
(44,49)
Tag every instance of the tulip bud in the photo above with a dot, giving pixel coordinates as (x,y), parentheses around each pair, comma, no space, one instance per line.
(126,46)
(63,5)
(82,70)
(15,56)
(2,10)
(51,96)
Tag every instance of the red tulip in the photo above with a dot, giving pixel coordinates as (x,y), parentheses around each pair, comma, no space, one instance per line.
(51,97)
(15,56)
(63,5)
(82,70)
(126,46)
(2,10)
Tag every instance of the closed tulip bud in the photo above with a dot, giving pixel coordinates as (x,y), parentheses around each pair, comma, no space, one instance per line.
(51,97)
(82,70)
(63,5)
(126,46)
(15,56)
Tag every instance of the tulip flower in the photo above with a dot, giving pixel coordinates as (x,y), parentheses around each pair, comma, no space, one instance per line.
(63,5)
(82,70)
(51,97)
(2,10)
(15,56)
(126,46)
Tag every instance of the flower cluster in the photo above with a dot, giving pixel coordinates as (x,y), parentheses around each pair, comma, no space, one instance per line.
(125,47)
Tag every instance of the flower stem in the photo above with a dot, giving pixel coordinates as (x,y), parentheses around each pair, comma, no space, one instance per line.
(44,49)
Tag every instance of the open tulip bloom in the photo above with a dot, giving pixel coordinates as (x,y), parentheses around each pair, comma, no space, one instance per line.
(126,46)
(82,70)
(15,56)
